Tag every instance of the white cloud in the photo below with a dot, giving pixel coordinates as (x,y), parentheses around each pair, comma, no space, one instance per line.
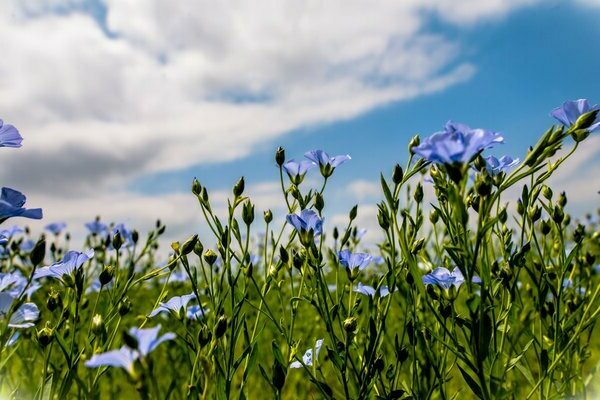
(166,84)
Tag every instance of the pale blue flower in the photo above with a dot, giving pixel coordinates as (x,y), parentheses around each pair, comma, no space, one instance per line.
(505,164)
(195,312)
(125,357)
(71,261)
(354,260)
(307,358)
(308,220)
(11,205)
(457,143)
(297,169)
(56,227)
(96,227)
(23,317)
(570,111)
(370,290)
(326,163)
(9,135)
(443,278)
(174,305)
(26,246)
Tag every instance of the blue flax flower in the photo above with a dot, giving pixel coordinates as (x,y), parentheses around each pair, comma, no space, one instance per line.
(456,144)
(125,357)
(570,111)
(15,284)
(96,227)
(174,305)
(72,261)
(56,227)
(27,246)
(23,317)
(445,279)
(195,312)
(11,205)
(9,135)
(307,358)
(12,231)
(370,290)
(354,260)
(326,163)
(3,239)
(308,220)
(505,164)
(297,169)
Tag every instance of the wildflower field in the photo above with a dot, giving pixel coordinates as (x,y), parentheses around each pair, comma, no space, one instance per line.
(487,289)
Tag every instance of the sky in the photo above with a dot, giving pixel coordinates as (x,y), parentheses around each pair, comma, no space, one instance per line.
(122,102)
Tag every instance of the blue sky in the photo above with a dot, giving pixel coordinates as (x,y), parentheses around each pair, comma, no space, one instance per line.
(526,64)
(121,102)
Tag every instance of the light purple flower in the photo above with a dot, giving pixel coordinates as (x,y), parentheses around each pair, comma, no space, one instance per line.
(26,246)
(370,290)
(23,317)
(457,143)
(570,111)
(195,312)
(56,227)
(11,205)
(326,163)
(505,164)
(125,357)
(307,358)
(297,169)
(354,260)
(96,227)
(71,261)
(443,278)
(307,220)
(174,305)
(9,135)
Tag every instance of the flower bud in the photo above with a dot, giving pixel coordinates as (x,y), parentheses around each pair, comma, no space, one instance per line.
(545,227)
(350,324)
(98,326)
(280,156)
(503,215)
(562,199)
(188,245)
(414,142)
(397,174)
(124,306)
(210,257)
(196,187)
(117,241)
(204,336)
(39,252)
(238,189)
(106,275)
(558,215)
(54,301)
(520,208)
(336,233)
(221,326)
(268,216)
(135,236)
(586,120)
(283,255)
(547,192)
(319,202)
(418,195)
(535,213)
(353,213)
(45,336)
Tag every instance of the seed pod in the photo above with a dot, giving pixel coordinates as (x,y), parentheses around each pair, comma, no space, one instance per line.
(124,306)
(221,326)
(196,187)
(268,216)
(188,245)
(397,174)
(210,257)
